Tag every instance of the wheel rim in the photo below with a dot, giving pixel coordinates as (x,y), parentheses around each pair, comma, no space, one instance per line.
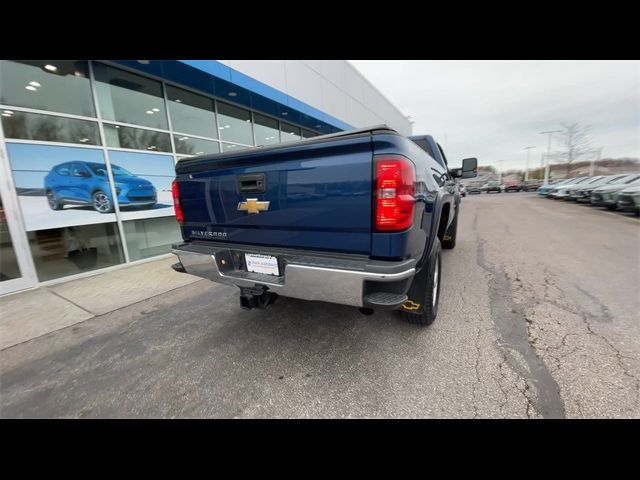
(436,276)
(51,199)
(101,202)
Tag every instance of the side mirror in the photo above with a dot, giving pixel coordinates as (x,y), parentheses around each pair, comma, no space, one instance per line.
(470,167)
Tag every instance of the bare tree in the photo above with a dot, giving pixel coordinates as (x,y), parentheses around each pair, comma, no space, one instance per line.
(575,144)
(487,168)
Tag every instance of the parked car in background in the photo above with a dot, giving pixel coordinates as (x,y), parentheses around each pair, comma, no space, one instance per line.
(572,192)
(564,193)
(531,185)
(583,194)
(593,182)
(606,195)
(629,199)
(87,183)
(512,186)
(545,190)
(474,188)
(561,190)
(492,186)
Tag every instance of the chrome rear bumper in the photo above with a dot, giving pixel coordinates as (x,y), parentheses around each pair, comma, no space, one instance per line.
(304,276)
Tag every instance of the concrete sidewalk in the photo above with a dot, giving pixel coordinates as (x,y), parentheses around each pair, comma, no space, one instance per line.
(34,313)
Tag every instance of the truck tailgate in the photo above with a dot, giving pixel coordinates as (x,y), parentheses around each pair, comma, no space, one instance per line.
(318,194)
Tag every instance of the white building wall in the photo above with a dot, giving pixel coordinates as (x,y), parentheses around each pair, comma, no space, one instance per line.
(332,86)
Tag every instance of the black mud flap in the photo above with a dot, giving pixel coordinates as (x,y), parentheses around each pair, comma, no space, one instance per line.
(421,307)
(416,293)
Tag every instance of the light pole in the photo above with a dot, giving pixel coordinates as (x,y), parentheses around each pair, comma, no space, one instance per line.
(526,172)
(592,169)
(546,170)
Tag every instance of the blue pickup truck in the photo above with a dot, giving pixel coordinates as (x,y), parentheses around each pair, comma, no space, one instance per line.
(355,218)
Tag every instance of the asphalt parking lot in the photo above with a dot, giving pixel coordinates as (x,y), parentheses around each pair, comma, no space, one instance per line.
(538,318)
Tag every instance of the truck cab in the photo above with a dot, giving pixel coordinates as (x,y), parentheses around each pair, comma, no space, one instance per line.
(433,148)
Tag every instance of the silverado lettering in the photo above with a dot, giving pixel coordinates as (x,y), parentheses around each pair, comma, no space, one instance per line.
(203,233)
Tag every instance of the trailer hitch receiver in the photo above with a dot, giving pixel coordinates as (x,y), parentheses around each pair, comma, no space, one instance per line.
(256,297)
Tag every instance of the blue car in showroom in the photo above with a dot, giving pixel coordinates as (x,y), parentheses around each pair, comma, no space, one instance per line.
(87,183)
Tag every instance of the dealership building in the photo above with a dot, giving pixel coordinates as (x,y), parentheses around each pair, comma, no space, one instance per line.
(87,148)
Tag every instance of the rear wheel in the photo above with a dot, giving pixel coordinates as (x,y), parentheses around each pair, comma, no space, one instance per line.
(424,294)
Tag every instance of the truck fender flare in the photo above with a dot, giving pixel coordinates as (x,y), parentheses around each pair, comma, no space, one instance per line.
(435,221)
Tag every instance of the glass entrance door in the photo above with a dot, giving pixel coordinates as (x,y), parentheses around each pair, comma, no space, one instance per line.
(16,267)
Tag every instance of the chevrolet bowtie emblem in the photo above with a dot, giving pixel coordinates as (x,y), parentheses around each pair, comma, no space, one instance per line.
(252,205)
(410,305)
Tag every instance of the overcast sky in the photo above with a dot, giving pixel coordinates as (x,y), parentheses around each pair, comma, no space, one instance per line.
(493,109)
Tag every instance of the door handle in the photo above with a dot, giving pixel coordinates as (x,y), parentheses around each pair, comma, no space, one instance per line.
(252,183)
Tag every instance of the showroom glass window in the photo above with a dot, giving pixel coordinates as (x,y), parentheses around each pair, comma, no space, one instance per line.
(191,113)
(50,85)
(151,236)
(67,233)
(267,131)
(129,98)
(233,147)
(9,267)
(145,201)
(290,132)
(186,145)
(144,183)
(49,128)
(308,133)
(119,136)
(234,124)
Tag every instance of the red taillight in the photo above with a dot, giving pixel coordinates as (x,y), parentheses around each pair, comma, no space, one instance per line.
(394,193)
(176,201)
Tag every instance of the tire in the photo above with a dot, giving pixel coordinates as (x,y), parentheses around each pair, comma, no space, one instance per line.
(424,294)
(101,202)
(53,202)
(449,239)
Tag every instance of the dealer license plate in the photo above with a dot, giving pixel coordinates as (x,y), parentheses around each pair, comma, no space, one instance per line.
(261,263)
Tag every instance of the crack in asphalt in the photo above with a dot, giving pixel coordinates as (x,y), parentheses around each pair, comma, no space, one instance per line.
(586,317)
(504,377)
(618,355)
(605,314)
(512,327)
(477,382)
(512,363)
